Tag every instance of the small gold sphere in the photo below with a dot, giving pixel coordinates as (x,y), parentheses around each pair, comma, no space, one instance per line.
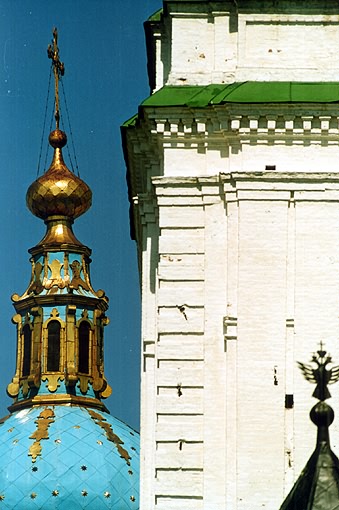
(57,139)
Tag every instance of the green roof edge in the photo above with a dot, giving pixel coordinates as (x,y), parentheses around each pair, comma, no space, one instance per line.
(245,92)
(201,96)
(131,121)
(156,16)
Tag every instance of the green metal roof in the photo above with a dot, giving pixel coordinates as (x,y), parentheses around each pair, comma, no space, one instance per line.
(156,16)
(246,92)
(130,122)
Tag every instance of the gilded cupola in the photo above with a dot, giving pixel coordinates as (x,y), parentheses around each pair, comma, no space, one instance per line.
(58,192)
(60,447)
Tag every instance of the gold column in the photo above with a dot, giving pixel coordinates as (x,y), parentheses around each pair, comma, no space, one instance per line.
(71,374)
(13,387)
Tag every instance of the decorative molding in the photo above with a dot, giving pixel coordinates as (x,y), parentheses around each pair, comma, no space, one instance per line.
(272,123)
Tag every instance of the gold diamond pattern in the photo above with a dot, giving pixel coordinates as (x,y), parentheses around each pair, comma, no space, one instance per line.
(58,192)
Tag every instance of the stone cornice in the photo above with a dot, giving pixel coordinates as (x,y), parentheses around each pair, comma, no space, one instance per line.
(285,178)
(214,126)
(40,400)
(228,127)
(295,186)
(237,122)
(57,300)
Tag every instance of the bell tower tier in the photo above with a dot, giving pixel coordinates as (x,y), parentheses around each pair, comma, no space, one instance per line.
(60,321)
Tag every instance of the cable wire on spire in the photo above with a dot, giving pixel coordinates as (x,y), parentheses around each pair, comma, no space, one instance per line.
(71,134)
(47,145)
(44,123)
(59,71)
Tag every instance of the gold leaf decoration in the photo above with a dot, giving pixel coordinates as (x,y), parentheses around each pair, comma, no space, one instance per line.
(76,276)
(53,381)
(55,279)
(110,434)
(83,383)
(13,389)
(98,383)
(107,392)
(45,418)
(35,450)
(25,388)
(36,285)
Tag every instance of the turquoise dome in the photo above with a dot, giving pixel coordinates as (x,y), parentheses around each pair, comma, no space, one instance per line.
(67,458)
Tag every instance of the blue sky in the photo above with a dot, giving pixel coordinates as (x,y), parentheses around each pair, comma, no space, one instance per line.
(102,45)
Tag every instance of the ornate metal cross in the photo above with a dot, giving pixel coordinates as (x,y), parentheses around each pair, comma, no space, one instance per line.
(58,69)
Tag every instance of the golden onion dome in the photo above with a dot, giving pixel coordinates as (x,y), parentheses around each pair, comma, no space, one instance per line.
(58,192)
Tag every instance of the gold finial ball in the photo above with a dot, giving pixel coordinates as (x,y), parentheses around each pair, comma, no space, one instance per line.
(57,139)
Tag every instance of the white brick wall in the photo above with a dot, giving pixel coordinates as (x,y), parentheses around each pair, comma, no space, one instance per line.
(227,43)
(239,265)
(237,301)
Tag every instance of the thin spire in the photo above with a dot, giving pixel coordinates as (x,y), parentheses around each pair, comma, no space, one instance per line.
(58,69)
(59,192)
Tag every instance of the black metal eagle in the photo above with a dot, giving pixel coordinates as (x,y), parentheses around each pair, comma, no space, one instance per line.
(321,376)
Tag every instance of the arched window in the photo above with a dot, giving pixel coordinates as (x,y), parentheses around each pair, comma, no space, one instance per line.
(84,329)
(53,346)
(100,354)
(27,348)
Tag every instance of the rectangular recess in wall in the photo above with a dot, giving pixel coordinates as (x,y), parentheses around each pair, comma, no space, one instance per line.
(289,401)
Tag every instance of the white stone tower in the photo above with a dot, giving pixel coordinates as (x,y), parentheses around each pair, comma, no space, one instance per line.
(233,178)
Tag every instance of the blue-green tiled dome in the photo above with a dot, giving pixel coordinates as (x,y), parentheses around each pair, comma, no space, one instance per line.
(67,458)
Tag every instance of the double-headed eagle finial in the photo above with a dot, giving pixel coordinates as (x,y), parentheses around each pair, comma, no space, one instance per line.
(321,376)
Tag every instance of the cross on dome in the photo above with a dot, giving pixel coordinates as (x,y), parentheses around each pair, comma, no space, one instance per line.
(59,192)
(58,69)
